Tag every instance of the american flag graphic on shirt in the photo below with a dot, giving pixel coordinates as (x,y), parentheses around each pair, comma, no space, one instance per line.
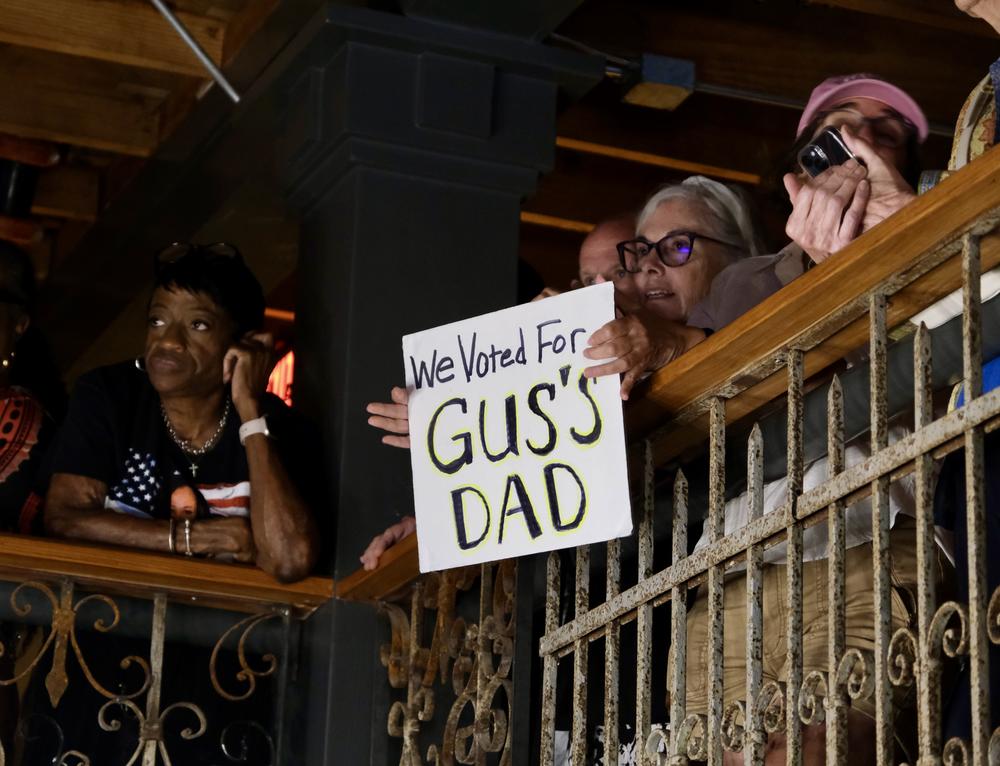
(227,499)
(136,493)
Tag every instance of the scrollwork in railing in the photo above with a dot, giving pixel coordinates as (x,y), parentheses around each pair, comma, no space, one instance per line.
(658,748)
(246,674)
(480,672)
(956,753)
(54,738)
(63,635)
(812,699)
(692,738)
(475,658)
(235,742)
(942,634)
(856,674)
(496,659)
(733,732)
(904,653)
(770,704)
(993,618)
(150,732)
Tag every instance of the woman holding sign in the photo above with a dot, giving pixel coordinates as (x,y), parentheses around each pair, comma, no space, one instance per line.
(687,233)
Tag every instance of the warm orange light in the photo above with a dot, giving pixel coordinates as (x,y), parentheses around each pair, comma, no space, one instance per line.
(280,382)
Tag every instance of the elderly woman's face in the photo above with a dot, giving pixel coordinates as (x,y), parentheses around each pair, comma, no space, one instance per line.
(673,291)
(187,337)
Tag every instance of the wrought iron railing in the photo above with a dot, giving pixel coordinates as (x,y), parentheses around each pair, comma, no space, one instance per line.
(68,601)
(768,382)
(940,243)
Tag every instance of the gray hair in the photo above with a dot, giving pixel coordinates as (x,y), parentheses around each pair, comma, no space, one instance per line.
(726,205)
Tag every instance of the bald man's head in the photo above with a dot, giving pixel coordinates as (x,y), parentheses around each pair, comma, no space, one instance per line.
(598,261)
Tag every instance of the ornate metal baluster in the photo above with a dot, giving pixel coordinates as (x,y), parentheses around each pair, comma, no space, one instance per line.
(928,686)
(644,614)
(880,530)
(63,636)
(152,737)
(716,530)
(793,731)
(678,620)
(836,702)
(612,656)
(549,664)
(246,674)
(151,721)
(972,357)
(581,653)
(755,737)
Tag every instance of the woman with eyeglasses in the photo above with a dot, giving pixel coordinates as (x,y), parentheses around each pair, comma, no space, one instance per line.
(182,451)
(687,234)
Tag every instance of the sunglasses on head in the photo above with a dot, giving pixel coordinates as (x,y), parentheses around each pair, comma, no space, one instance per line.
(178,250)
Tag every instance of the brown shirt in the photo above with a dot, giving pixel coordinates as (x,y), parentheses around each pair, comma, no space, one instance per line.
(744,284)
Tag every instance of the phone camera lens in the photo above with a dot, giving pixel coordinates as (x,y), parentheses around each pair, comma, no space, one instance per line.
(814,160)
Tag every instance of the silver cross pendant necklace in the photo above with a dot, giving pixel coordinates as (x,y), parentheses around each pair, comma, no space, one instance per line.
(191,452)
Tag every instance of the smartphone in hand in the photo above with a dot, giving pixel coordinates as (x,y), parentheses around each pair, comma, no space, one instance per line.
(825,151)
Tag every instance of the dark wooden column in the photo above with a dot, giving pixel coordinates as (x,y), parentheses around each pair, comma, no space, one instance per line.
(407,146)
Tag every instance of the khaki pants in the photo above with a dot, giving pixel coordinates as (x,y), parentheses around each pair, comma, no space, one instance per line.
(859,622)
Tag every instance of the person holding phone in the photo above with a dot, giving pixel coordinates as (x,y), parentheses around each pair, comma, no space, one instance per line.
(181,450)
(882,128)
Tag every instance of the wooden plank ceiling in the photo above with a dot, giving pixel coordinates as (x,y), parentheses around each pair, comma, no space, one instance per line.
(94,87)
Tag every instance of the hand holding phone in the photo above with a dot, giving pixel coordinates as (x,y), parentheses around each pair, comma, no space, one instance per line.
(825,151)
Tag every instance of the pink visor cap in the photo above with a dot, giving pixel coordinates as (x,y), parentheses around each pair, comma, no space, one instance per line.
(836,90)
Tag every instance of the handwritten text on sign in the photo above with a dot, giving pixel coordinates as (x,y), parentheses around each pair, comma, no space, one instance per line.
(514,451)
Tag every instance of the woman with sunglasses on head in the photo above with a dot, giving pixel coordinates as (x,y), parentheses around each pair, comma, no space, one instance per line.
(182,451)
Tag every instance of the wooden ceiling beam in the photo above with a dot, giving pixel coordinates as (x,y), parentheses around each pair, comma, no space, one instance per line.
(244,24)
(555,222)
(932,13)
(122,31)
(99,106)
(657,160)
(68,192)
(784,49)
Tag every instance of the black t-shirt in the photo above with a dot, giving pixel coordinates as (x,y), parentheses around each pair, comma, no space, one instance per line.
(115,432)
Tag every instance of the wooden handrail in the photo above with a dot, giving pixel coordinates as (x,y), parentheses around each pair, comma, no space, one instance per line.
(131,572)
(819,311)
(396,569)
(822,313)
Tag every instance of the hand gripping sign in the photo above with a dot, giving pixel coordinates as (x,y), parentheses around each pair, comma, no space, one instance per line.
(514,451)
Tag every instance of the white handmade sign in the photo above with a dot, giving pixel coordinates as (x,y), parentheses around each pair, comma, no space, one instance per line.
(514,451)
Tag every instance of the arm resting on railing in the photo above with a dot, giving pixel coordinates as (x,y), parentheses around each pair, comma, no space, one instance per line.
(75,509)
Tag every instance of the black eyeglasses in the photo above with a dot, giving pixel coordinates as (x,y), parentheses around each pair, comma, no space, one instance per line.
(174,252)
(673,250)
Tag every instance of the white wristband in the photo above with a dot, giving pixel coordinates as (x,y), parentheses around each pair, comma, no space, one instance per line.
(255,426)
